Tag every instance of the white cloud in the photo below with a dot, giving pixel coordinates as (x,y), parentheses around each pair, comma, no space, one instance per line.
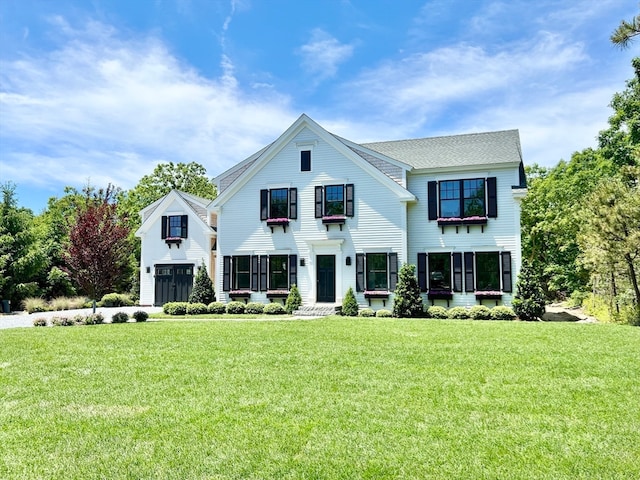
(323,54)
(108,108)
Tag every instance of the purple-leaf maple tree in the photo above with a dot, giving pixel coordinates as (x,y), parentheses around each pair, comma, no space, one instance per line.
(97,254)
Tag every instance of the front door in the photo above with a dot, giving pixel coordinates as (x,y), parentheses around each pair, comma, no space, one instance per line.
(173,283)
(326,268)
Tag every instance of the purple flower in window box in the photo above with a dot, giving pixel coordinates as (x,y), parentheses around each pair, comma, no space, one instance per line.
(240,293)
(333,219)
(277,293)
(474,220)
(173,241)
(449,221)
(488,294)
(440,294)
(277,221)
(376,294)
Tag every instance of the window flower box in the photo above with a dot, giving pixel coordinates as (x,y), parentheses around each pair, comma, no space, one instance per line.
(474,220)
(488,295)
(333,220)
(376,294)
(240,295)
(457,221)
(449,221)
(173,241)
(440,294)
(278,222)
(277,293)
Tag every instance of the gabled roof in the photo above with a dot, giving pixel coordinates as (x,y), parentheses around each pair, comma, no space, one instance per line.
(489,148)
(198,205)
(246,169)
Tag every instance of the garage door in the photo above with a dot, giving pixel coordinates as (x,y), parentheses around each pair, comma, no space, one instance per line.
(173,283)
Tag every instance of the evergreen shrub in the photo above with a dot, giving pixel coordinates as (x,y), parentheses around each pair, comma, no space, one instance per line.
(294,300)
(120,317)
(384,313)
(196,308)
(500,312)
(366,312)
(274,308)
(202,291)
(217,308)
(235,308)
(254,308)
(349,304)
(140,316)
(458,313)
(175,308)
(437,311)
(480,312)
(407,301)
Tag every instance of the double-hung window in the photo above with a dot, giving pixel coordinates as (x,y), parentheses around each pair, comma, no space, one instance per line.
(258,272)
(333,201)
(376,272)
(278,205)
(174,226)
(462,199)
(241,272)
(278,272)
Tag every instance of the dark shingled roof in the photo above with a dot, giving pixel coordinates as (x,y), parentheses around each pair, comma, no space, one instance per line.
(473,149)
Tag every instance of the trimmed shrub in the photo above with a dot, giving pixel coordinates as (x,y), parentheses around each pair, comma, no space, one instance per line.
(407,301)
(120,317)
(196,308)
(480,312)
(274,309)
(458,313)
(235,308)
(61,321)
(366,312)
(501,312)
(202,291)
(140,316)
(217,308)
(116,300)
(94,319)
(436,311)
(294,300)
(35,305)
(349,304)
(40,322)
(384,313)
(254,308)
(175,308)
(529,303)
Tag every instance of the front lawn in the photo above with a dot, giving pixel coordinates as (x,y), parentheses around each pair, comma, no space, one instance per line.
(324,399)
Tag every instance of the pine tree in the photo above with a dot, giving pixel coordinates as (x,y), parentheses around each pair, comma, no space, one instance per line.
(203,288)
(529,301)
(294,300)
(407,301)
(349,304)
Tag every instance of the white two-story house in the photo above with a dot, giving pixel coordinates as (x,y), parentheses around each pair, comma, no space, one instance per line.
(324,213)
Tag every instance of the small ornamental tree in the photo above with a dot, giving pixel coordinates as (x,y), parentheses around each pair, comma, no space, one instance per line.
(407,301)
(529,301)
(349,304)
(203,288)
(294,300)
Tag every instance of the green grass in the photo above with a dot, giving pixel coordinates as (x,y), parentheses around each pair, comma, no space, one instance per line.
(325,399)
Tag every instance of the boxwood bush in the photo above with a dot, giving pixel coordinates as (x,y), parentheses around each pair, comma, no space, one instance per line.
(384,313)
(120,317)
(274,309)
(235,308)
(175,308)
(217,308)
(116,300)
(366,312)
(140,316)
(254,308)
(196,308)
(436,311)
(458,313)
(480,312)
(500,312)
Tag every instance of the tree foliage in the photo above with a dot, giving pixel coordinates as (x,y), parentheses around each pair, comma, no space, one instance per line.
(625,32)
(407,301)
(202,291)
(20,259)
(97,254)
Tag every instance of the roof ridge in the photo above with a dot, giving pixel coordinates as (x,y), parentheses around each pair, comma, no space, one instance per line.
(470,134)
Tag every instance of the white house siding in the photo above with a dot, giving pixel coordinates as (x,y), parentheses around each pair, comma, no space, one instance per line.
(155,251)
(500,234)
(377,226)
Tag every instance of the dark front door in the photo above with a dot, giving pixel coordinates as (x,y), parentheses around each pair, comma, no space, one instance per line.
(173,283)
(326,278)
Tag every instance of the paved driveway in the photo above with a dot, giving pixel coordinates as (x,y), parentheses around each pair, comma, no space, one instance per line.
(23,319)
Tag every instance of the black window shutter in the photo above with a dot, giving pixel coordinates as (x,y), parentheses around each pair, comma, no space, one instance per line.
(393,271)
(349,200)
(293,203)
(492,198)
(318,202)
(163,232)
(506,272)
(293,270)
(457,271)
(422,271)
(254,273)
(184,226)
(264,269)
(468,272)
(264,204)
(226,273)
(359,272)
(432,200)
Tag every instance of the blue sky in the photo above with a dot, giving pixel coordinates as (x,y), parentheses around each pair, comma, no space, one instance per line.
(101,91)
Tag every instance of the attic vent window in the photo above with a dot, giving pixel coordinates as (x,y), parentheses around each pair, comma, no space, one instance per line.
(305,160)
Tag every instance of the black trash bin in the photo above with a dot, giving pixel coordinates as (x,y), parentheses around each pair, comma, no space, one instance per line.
(6,306)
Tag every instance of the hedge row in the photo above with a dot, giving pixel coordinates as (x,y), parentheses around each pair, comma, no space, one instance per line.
(219,308)
(90,319)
